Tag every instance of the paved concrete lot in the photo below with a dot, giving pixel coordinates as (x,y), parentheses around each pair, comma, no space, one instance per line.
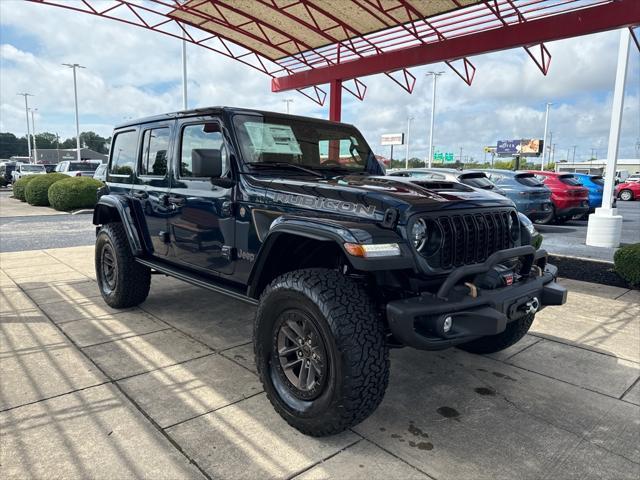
(569,238)
(11,207)
(168,390)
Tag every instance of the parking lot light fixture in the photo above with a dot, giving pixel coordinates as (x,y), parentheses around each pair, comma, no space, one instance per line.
(75,94)
(433,115)
(33,129)
(544,138)
(26,112)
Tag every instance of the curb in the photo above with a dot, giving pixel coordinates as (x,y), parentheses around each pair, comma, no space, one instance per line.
(84,211)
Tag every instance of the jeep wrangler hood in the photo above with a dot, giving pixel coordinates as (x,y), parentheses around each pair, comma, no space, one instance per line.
(370,197)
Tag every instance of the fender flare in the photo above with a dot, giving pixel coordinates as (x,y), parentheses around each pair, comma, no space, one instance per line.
(115,208)
(324,230)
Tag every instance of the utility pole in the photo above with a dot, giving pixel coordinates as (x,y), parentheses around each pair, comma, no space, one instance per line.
(544,140)
(33,129)
(460,154)
(433,115)
(574,154)
(26,112)
(553,153)
(406,160)
(288,101)
(75,94)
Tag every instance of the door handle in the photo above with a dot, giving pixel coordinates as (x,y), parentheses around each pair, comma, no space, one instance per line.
(141,194)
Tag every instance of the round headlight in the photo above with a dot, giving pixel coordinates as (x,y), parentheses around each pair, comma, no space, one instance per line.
(419,234)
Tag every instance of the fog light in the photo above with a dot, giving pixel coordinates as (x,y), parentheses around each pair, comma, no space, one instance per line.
(447,324)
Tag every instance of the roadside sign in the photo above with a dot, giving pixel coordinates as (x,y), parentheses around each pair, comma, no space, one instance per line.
(392,139)
(443,157)
(528,147)
(448,157)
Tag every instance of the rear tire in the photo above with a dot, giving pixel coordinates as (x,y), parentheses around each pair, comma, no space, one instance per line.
(123,282)
(326,321)
(494,343)
(626,195)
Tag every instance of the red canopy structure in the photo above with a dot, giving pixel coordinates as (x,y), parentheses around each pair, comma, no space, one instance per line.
(303,44)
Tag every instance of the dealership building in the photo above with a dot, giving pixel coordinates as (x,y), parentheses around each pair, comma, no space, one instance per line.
(597,167)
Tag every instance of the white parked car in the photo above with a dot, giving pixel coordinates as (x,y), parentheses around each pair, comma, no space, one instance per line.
(633,178)
(23,169)
(85,168)
(101,173)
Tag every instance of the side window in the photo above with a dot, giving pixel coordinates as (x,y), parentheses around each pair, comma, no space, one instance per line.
(202,135)
(123,153)
(153,159)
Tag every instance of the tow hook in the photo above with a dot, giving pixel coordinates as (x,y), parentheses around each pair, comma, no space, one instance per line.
(532,305)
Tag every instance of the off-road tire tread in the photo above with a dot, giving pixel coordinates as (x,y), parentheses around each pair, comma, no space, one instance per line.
(494,343)
(359,334)
(134,279)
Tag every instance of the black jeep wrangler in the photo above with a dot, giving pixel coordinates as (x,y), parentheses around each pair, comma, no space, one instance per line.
(295,215)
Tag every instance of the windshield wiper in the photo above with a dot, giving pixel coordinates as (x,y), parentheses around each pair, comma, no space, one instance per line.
(284,165)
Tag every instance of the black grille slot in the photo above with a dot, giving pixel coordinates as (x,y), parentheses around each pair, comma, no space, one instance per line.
(471,238)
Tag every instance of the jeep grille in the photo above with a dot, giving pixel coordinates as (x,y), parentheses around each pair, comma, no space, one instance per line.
(470,237)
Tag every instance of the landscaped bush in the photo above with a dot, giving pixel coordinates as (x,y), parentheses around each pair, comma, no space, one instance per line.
(627,263)
(37,190)
(20,185)
(74,193)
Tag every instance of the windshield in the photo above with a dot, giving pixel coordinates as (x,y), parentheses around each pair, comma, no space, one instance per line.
(83,166)
(478,180)
(570,180)
(32,168)
(305,143)
(529,180)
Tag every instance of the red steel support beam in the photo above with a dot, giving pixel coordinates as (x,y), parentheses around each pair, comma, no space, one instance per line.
(335,100)
(600,18)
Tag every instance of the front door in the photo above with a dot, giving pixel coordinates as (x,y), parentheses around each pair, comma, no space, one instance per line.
(151,187)
(202,220)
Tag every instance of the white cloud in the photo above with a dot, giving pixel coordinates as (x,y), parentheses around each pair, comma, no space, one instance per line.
(132,72)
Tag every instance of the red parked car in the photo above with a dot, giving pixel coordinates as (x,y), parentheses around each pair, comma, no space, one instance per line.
(570,199)
(628,191)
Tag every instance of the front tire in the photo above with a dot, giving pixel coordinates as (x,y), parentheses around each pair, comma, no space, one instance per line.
(123,282)
(494,343)
(321,351)
(626,195)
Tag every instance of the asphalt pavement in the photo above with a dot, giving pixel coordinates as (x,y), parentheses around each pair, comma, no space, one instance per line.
(569,239)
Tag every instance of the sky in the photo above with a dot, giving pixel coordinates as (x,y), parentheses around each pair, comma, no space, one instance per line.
(131,72)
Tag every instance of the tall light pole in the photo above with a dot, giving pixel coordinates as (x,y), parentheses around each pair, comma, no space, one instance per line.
(26,112)
(406,161)
(33,129)
(544,140)
(75,94)
(288,101)
(433,115)
(185,103)
(574,154)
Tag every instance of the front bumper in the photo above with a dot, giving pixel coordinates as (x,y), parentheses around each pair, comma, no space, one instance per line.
(419,321)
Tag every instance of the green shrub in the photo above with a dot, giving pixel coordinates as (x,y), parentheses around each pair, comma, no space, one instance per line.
(20,185)
(37,190)
(74,193)
(627,263)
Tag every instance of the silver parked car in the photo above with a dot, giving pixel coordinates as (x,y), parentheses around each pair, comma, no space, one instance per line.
(473,178)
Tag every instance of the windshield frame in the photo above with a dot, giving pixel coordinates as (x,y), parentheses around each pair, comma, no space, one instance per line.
(363,150)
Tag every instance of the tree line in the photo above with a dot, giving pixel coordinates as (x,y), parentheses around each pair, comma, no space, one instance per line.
(10,145)
(502,164)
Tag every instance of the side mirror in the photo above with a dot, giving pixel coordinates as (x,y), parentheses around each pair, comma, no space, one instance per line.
(206,162)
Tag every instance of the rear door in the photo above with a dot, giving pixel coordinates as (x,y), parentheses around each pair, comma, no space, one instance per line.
(202,221)
(151,187)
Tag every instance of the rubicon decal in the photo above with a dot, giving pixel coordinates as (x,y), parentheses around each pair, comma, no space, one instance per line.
(327,204)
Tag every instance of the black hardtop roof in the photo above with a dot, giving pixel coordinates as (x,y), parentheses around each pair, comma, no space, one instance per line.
(196,112)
